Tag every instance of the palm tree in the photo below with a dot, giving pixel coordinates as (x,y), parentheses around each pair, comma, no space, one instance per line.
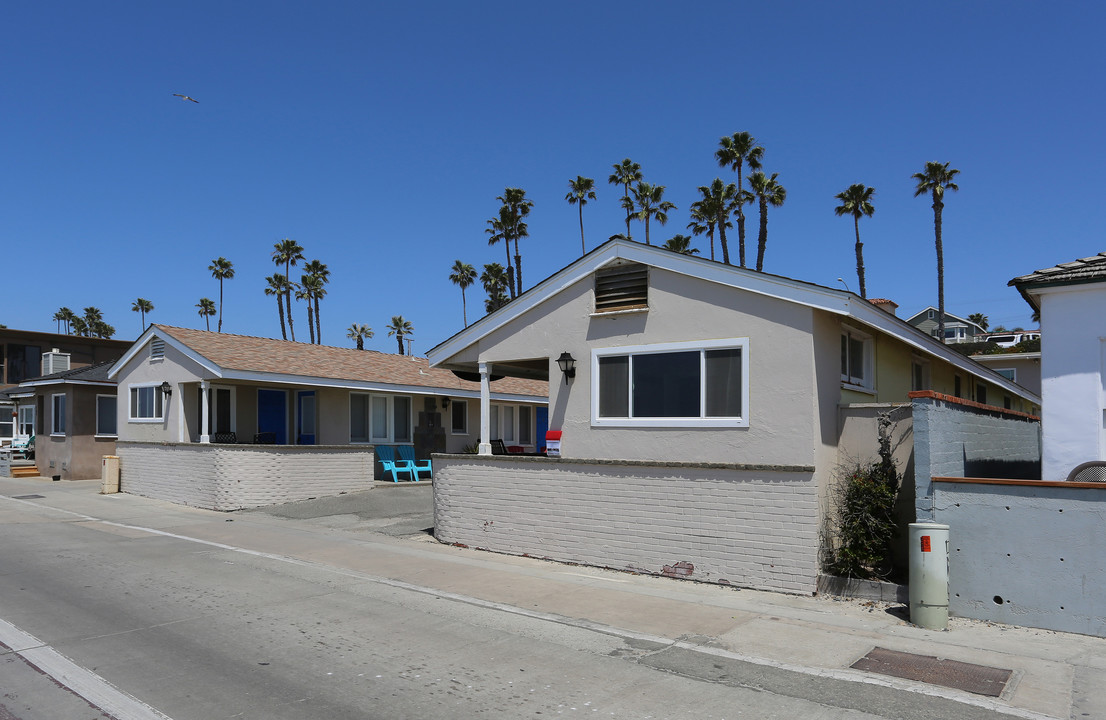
(981,320)
(401,329)
(651,204)
(768,192)
(494,279)
(278,284)
(288,252)
(517,207)
(60,319)
(358,333)
(703,219)
(625,174)
(92,315)
(80,327)
(856,200)
(462,274)
(304,292)
(142,306)
(207,310)
(935,179)
(721,198)
(580,191)
(67,317)
(221,269)
(680,244)
(101,329)
(497,231)
(735,151)
(319,272)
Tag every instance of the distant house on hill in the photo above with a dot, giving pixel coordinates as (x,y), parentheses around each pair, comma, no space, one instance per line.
(957,329)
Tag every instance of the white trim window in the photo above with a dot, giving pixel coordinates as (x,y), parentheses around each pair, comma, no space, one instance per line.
(1010,374)
(380,419)
(513,424)
(459,417)
(106,418)
(687,384)
(146,403)
(57,414)
(26,425)
(856,359)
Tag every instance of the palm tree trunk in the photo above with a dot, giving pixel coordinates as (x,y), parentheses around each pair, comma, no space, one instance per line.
(310,322)
(360,343)
(859,258)
(741,236)
(762,239)
(399,339)
(464,307)
(291,324)
(220,304)
(937,207)
(628,213)
(280,310)
(722,241)
(711,235)
(583,247)
(510,267)
(518,268)
(647,231)
(207,319)
(318,326)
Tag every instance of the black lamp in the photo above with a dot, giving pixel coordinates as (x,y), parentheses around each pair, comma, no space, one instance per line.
(445,403)
(166,388)
(567,363)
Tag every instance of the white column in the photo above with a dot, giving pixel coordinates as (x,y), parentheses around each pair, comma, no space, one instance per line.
(205,430)
(485,411)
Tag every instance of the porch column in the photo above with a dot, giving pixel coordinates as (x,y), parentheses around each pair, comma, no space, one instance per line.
(205,430)
(485,411)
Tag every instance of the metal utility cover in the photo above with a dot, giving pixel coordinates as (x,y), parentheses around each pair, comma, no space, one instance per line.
(978,679)
(27,497)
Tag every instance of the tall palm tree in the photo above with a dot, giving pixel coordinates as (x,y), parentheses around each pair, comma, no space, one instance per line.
(463,275)
(67,317)
(401,329)
(768,191)
(721,198)
(680,244)
(497,230)
(580,191)
(288,252)
(93,315)
(935,180)
(358,333)
(142,306)
(734,152)
(856,200)
(651,204)
(981,320)
(101,329)
(494,279)
(517,207)
(626,173)
(703,219)
(319,272)
(207,310)
(221,269)
(277,285)
(59,318)
(305,292)
(80,327)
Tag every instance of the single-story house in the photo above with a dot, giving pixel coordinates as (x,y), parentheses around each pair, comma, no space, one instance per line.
(703,412)
(957,329)
(1071,299)
(228,421)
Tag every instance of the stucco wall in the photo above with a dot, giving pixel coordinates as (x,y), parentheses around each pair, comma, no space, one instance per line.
(748,527)
(1026,555)
(77,454)
(1073,377)
(232,477)
(175,369)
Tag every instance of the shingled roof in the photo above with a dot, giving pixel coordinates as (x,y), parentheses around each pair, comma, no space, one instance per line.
(87,373)
(1085,270)
(244,353)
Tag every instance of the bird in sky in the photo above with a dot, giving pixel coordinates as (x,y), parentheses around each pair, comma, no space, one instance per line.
(185,97)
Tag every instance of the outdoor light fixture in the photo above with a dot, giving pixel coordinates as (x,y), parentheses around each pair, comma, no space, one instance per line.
(445,403)
(166,388)
(567,364)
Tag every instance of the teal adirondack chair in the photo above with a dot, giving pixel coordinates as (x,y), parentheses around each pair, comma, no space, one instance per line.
(407,452)
(386,454)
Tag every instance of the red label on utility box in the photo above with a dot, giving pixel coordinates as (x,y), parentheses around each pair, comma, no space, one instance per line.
(925,543)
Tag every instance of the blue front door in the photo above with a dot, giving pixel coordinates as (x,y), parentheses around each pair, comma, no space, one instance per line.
(541,425)
(272,414)
(305,417)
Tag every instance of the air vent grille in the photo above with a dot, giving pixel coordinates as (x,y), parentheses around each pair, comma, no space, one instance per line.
(625,287)
(157,349)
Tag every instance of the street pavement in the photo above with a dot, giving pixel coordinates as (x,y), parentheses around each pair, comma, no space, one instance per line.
(796,650)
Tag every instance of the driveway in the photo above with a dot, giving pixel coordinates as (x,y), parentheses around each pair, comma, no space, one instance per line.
(397,509)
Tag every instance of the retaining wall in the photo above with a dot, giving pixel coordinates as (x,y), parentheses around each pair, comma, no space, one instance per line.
(752,526)
(233,477)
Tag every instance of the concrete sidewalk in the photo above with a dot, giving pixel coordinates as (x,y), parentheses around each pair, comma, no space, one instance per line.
(1055,675)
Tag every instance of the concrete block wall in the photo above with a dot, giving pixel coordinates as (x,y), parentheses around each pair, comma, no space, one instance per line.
(749,527)
(229,477)
(960,438)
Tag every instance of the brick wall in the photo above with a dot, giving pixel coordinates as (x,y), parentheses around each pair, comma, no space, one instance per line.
(746,526)
(228,477)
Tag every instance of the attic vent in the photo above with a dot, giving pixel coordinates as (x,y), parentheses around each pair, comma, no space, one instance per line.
(625,287)
(157,349)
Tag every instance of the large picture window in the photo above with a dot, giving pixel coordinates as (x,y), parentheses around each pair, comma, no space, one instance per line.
(146,403)
(674,384)
(513,424)
(379,418)
(106,419)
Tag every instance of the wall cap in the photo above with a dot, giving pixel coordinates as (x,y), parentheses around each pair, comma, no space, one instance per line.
(627,463)
(1021,483)
(932,395)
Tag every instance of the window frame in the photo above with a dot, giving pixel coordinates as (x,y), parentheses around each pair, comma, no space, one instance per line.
(920,366)
(388,437)
(700,346)
(454,405)
(868,381)
(1012,377)
(57,420)
(114,415)
(159,403)
(499,413)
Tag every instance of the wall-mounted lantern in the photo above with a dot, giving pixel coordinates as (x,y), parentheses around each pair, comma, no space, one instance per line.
(166,389)
(567,363)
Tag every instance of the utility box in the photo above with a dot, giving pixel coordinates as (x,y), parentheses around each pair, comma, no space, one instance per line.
(929,575)
(553,443)
(109,474)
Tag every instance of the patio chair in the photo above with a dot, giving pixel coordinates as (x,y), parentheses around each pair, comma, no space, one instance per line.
(498,448)
(386,454)
(225,438)
(23,449)
(1093,471)
(407,452)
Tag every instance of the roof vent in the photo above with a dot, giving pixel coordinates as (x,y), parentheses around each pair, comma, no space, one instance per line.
(625,287)
(54,361)
(157,349)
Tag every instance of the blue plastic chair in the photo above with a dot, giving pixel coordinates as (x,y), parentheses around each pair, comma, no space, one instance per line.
(386,454)
(407,452)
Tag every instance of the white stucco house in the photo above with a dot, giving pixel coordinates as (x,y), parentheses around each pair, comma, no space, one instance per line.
(1071,299)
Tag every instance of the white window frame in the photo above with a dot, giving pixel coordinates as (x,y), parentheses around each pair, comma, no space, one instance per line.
(504,417)
(25,418)
(868,382)
(114,416)
(158,400)
(388,437)
(465,414)
(697,345)
(57,420)
(1012,377)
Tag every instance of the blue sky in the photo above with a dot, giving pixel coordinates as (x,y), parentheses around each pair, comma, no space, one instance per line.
(379,135)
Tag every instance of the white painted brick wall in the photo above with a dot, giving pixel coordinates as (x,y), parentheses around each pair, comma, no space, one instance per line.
(747,528)
(231,478)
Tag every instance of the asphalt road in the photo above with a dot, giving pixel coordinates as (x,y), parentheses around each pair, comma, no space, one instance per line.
(192,630)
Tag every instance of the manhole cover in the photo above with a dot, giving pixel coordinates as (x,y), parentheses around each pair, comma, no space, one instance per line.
(978,679)
(27,497)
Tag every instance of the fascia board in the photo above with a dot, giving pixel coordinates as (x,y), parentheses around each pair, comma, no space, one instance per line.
(172,342)
(65,381)
(340,384)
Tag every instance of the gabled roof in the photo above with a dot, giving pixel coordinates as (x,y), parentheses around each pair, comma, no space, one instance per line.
(1086,270)
(948,315)
(86,375)
(242,357)
(828,299)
